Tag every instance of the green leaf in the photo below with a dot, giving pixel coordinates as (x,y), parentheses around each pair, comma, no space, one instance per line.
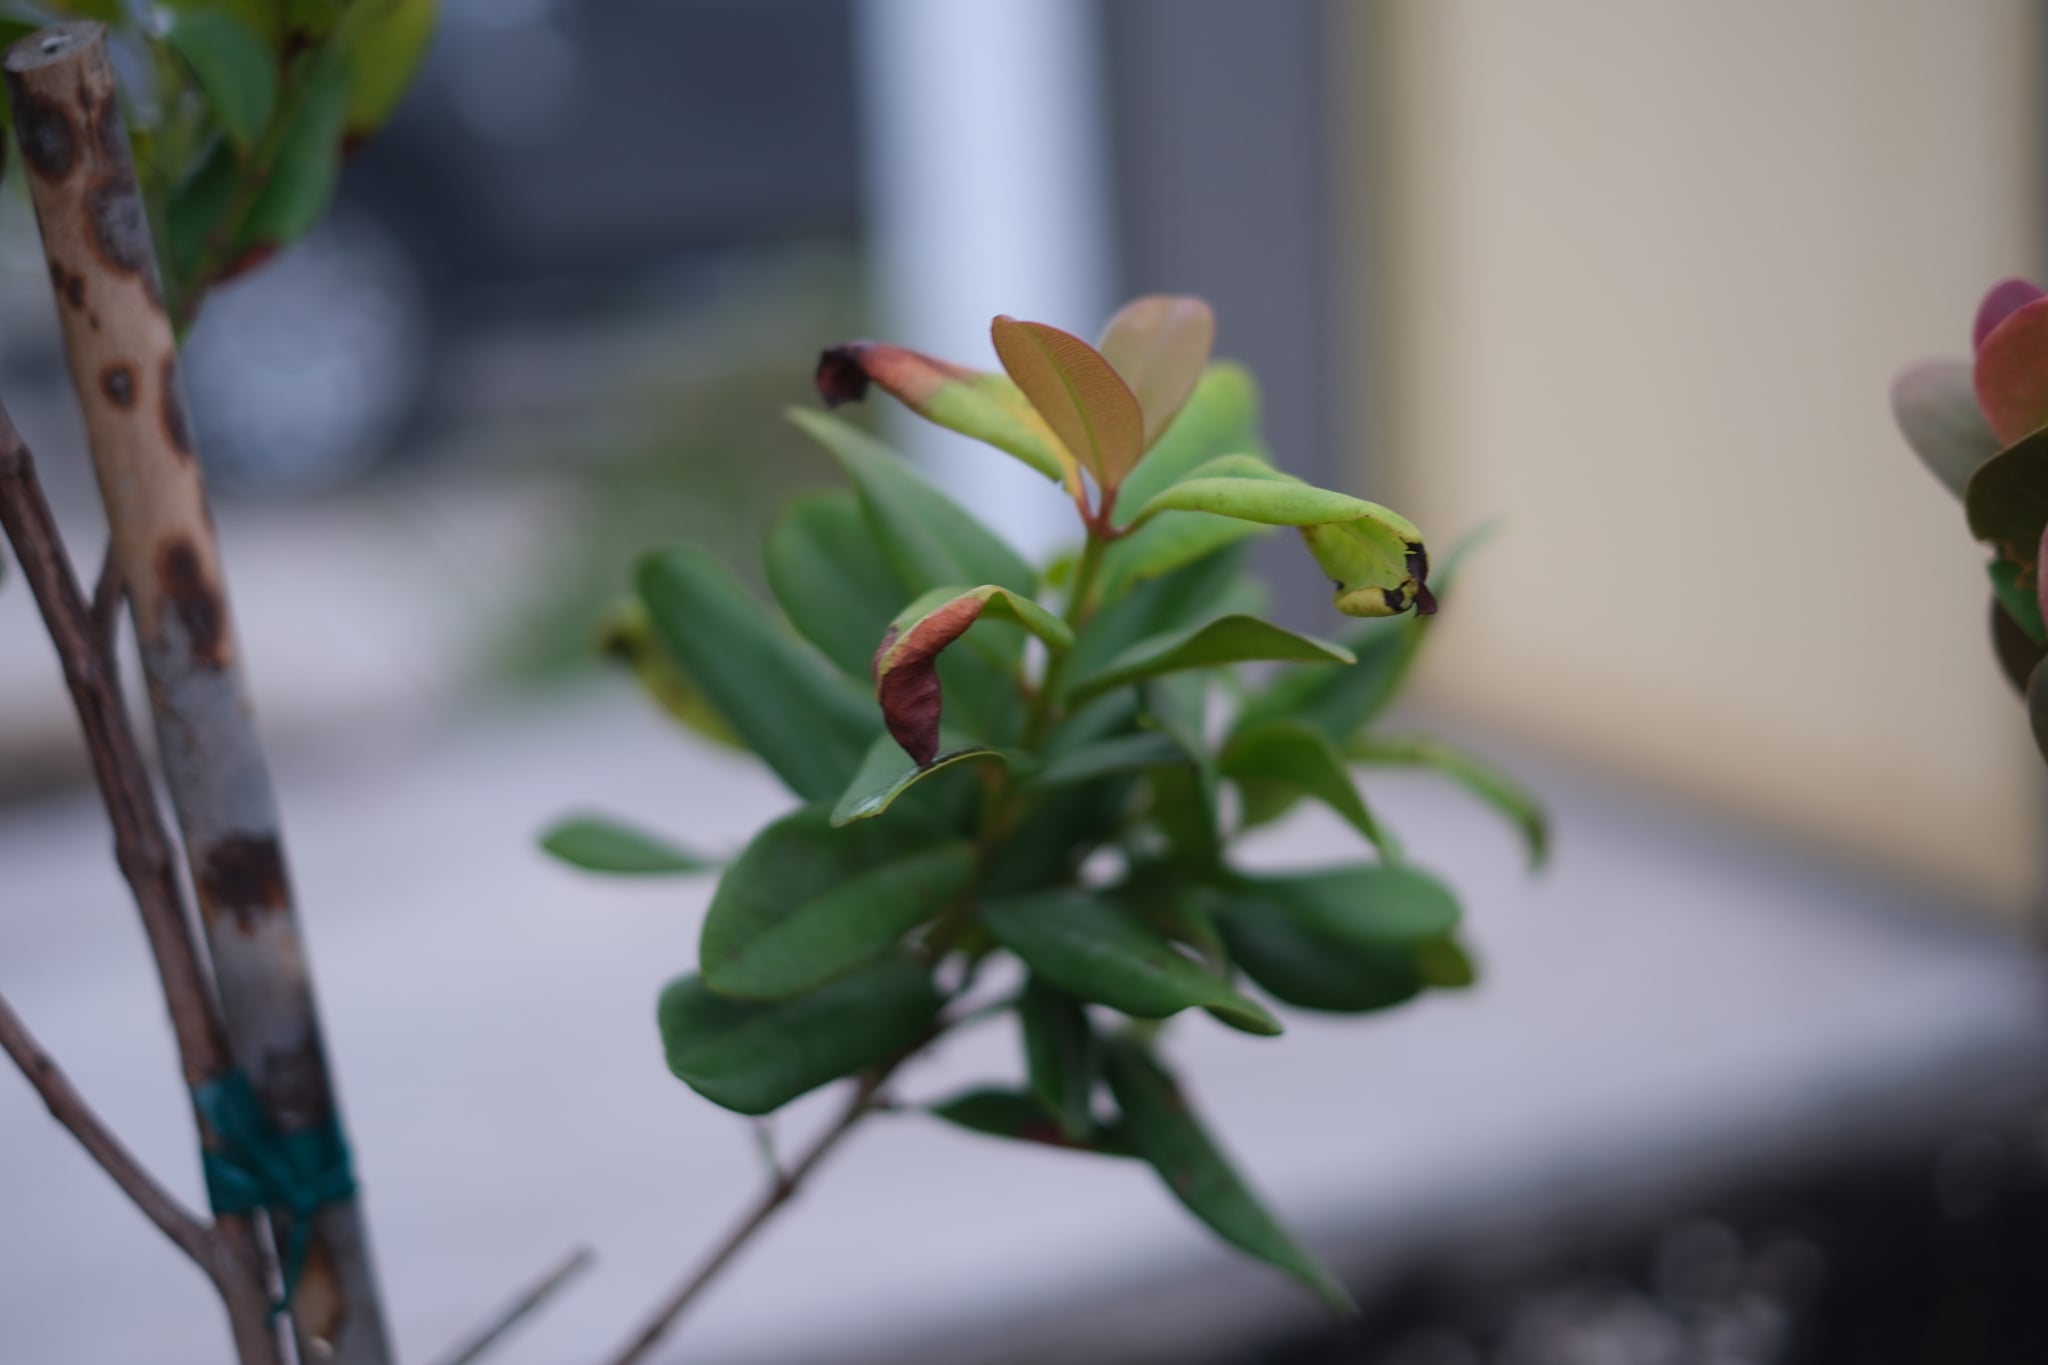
(1221,418)
(809,901)
(1159,346)
(906,673)
(1109,757)
(1935,405)
(1489,783)
(1374,555)
(1163,1127)
(832,580)
(2007,499)
(1059,1050)
(1336,699)
(198,208)
(755,1058)
(929,541)
(234,67)
(1212,587)
(1097,950)
(308,162)
(1229,640)
(2017,653)
(1363,905)
(1446,964)
(1340,700)
(1021,1118)
(803,720)
(1312,971)
(2022,603)
(597,843)
(1296,755)
(1078,393)
(987,407)
(888,772)
(385,45)
(1165,543)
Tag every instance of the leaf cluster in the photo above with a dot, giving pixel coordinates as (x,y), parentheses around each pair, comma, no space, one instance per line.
(242,112)
(1981,428)
(997,792)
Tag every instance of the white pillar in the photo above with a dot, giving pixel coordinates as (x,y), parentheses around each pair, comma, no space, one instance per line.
(987,193)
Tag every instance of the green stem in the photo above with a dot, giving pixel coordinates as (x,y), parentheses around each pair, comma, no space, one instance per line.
(1079,602)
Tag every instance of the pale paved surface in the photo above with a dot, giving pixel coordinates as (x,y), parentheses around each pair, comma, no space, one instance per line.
(1665,994)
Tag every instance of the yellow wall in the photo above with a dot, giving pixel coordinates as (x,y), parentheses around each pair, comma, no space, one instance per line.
(1646,272)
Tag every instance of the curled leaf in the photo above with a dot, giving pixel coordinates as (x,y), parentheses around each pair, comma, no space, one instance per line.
(988,407)
(1373,555)
(1160,345)
(906,662)
(1082,398)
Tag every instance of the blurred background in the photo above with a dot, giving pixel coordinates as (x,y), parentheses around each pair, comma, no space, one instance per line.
(1756,1072)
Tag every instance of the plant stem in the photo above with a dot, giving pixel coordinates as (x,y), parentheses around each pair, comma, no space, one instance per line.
(1079,603)
(773,1198)
(239,1258)
(69,1108)
(512,1314)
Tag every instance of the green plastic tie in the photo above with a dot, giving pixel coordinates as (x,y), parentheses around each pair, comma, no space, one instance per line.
(257,1167)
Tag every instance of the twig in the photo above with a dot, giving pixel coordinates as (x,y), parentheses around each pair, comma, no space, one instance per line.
(240,1261)
(69,1108)
(773,1198)
(512,1314)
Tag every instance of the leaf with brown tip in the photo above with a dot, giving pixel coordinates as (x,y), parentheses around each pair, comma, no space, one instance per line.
(988,407)
(1080,395)
(1160,345)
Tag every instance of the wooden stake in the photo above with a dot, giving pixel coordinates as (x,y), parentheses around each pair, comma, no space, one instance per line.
(123,357)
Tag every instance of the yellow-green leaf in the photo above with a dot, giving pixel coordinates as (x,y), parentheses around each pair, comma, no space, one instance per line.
(1227,640)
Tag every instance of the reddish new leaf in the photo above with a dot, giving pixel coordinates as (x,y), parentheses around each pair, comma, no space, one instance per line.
(974,403)
(1160,345)
(2012,373)
(1081,397)
(2005,298)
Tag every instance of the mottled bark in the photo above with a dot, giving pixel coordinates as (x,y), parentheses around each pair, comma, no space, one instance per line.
(124,366)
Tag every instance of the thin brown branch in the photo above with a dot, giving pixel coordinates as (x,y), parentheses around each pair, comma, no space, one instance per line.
(863,1103)
(240,1257)
(69,1108)
(535,1296)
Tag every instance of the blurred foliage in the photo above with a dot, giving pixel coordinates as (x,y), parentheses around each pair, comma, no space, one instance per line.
(241,113)
(1981,428)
